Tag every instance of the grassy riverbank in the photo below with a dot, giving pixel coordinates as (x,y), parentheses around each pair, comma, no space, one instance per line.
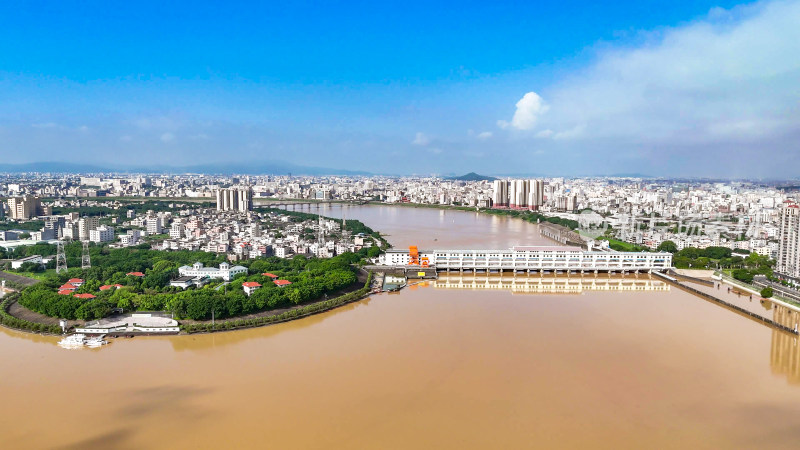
(9,321)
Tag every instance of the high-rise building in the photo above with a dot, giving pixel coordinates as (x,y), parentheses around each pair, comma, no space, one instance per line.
(572,202)
(154,226)
(57,224)
(520,194)
(177,230)
(536,194)
(500,194)
(235,199)
(789,244)
(85,225)
(27,207)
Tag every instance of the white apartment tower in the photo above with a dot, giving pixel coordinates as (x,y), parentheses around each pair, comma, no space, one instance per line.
(85,225)
(177,230)
(235,199)
(500,194)
(536,194)
(154,226)
(518,194)
(789,245)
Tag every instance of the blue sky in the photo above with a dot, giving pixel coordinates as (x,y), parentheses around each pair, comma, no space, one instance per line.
(570,87)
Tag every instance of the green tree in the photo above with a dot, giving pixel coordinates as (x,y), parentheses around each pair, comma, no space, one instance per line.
(743,275)
(668,246)
(767,292)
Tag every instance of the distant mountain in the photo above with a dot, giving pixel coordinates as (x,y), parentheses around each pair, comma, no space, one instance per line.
(244,168)
(472,176)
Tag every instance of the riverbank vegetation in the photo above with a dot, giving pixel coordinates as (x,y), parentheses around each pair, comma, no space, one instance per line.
(10,321)
(310,278)
(291,314)
(743,267)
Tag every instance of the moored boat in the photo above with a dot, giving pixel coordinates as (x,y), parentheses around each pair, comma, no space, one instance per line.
(73,341)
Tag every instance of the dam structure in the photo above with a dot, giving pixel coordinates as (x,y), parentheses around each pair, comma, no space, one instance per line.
(526,259)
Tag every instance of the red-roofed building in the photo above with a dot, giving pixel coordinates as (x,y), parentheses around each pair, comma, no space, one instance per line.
(250,287)
(65,292)
(68,287)
(135,274)
(282,283)
(109,286)
(270,275)
(75,281)
(84,296)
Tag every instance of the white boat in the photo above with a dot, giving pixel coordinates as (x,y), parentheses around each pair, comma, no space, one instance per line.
(73,341)
(95,342)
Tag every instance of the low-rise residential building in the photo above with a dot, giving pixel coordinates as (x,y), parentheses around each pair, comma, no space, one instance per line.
(225,271)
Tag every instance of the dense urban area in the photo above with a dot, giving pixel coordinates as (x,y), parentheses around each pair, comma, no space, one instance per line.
(201,246)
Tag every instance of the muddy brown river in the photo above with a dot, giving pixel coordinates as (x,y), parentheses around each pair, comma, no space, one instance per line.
(445,364)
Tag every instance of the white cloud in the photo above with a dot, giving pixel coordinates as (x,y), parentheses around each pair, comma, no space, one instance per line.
(167,137)
(421,139)
(83,128)
(574,132)
(484,135)
(729,79)
(529,108)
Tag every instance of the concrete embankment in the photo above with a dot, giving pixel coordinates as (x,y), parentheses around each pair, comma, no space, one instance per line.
(737,309)
(683,276)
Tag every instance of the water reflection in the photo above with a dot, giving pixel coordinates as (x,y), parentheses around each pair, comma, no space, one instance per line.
(785,350)
(203,341)
(541,284)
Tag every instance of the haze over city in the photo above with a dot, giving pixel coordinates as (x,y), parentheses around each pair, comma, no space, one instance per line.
(695,89)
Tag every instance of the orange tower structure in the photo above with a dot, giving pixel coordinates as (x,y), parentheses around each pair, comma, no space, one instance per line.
(414,255)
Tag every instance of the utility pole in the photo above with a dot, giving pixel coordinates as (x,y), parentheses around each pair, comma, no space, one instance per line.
(61,258)
(86,261)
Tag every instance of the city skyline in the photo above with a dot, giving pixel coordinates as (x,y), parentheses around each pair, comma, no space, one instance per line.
(698,90)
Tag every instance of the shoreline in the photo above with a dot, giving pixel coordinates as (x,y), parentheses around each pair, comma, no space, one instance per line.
(9,321)
(254,320)
(288,314)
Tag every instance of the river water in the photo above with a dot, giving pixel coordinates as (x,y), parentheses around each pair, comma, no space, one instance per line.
(433,366)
